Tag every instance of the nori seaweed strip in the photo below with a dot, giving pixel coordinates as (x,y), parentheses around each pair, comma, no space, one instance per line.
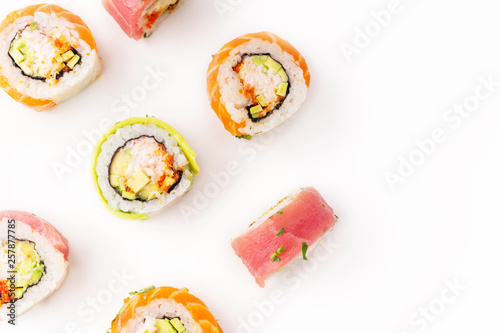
(174,185)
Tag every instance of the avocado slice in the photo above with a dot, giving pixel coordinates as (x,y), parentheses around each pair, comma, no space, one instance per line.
(59,59)
(67,55)
(120,162)
(262,100)
(114,180)
(169,181)
(16,55)
(260,59)
(149,191)
(128,195)
(138,181)
(283,74)
(25,68)
(256,109)
(24,50)
(272,64)
(282,89)
(72,63)
(164,326)
(178,325)
(19,43)
(30,270)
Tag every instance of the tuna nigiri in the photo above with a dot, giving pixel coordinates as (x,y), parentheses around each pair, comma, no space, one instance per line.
(284,233)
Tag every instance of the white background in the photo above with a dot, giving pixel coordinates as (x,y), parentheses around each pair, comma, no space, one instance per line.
(394,250)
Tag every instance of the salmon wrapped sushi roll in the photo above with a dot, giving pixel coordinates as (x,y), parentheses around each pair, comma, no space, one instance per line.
(47,55)
(256,82)
(141,166)
(33,262)
(140,18)
(285,232)
(164,310)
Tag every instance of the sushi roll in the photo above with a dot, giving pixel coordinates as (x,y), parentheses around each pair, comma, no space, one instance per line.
(164,310)
(47,55)
(33,262)
(140,18)
(285,232)
(141,166)
(256,82)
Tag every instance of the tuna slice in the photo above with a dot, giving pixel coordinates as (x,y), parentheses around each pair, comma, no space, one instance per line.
(139,18)
(276,238)
(43,227)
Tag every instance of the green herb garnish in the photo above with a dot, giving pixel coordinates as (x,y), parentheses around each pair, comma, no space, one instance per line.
(281,232)
(324,205)
(33,25)
(336,216)
(275,255)
(246,137)
(304,250)
(143,291)
(280,212)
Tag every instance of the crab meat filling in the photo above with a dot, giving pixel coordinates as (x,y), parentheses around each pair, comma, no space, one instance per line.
(143,170)
(265,84)
(41,55)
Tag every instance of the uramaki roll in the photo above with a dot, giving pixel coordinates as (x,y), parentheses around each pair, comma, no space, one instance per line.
(47,54)
(256,82)
(141,166)
(284,233)
(164,310)
(33,262)
(140,18)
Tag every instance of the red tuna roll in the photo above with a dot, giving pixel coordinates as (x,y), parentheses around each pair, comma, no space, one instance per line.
(284,233)
(139,18)
(33,262)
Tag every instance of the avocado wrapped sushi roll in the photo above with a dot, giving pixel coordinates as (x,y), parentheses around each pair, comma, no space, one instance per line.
(47,54)
(140,18)
(33,262)
(141,166)
(256,82)
(164,310)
